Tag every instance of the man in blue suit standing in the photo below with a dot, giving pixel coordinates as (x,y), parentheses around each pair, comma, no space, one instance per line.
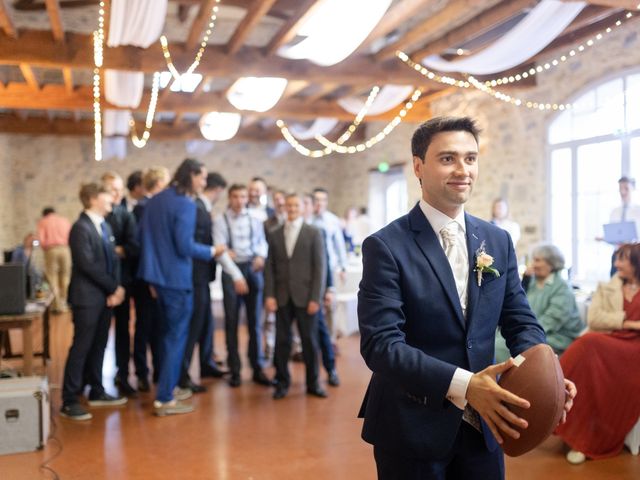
(436,284)
(167,248)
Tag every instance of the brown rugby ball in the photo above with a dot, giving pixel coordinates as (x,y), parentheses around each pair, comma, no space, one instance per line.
(539,380)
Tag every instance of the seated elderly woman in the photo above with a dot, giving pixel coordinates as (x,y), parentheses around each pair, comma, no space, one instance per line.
(604,366)
(551,300)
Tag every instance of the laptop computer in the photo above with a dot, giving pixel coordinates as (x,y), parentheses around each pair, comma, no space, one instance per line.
(620,232)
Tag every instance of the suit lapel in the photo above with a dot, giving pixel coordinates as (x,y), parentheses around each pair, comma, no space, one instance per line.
(473,244)
(428,242)
(299,240)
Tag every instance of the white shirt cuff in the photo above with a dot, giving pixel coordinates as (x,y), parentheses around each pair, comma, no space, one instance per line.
(457,393)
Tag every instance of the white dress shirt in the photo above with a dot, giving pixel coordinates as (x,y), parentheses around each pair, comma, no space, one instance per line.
(458,387)
(96,220)
(632,214)
(291,233)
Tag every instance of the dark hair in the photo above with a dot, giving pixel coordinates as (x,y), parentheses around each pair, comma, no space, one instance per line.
(182,178)
(320,190)
(259,179)
(134,180)
(47,210)
(424,134)
(235,187)
(632,252)
(89,191)
(631,181)
(215,180)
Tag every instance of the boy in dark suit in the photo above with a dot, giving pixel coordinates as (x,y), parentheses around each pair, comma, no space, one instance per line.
(93,292)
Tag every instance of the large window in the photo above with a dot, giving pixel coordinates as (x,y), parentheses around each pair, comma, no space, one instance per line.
(591,146)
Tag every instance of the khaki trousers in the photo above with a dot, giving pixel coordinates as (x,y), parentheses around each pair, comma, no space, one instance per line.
(58,271)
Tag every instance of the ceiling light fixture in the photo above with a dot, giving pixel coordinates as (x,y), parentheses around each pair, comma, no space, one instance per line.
(98,47)
(257,94)
(220,126)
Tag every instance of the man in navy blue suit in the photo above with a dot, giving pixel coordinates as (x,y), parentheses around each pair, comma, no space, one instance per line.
(167,249)
(436,284)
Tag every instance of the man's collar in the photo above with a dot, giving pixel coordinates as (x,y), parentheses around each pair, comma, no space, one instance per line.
(439,220)
(297,222)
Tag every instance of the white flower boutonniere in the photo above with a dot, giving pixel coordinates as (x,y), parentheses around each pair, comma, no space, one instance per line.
(483,263)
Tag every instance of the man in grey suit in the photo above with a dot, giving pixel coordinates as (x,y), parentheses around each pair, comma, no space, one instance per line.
(295,275)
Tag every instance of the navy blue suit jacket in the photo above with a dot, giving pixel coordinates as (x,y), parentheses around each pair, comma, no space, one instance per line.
(91,283)
(167,242)
(414,334)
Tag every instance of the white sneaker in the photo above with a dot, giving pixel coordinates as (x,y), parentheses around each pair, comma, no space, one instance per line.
(575,457)
(173,407)
(182,393)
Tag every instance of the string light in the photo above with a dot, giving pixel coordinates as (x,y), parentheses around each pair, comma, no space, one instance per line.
(557,61)
(473,82)
(361,114)
(203,45)
(98,48)
(361,147)
(516,101)
(336,147)
(140,142)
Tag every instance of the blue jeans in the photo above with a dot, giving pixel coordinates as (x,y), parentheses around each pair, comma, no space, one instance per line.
(175,315)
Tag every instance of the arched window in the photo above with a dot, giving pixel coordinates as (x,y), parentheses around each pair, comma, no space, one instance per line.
(591,146)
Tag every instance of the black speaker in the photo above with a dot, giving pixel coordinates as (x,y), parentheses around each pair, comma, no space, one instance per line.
(12,292)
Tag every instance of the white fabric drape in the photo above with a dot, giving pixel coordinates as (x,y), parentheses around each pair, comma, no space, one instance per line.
(123,89)
(336,30)
(115,122)
(390,96)
(114,147)
(533,33)
(320,126)
(136,22)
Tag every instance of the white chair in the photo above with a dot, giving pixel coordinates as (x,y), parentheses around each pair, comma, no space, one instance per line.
(632,440)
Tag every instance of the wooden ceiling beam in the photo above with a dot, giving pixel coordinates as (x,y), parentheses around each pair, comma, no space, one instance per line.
(400,13)
(53,9)
(161,131)
(199,23)
(321,91)
(29,76)
(437,22)
(258,9)
(56,97)
(67,75)
(6,22)
(36,48)
(290,28)
(476,26)
(564,43)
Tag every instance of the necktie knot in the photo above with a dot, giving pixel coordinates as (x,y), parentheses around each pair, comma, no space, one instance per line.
(449,234)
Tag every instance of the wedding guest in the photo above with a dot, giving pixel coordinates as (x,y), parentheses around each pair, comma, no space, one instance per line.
(500,218)
(604,366)
(551,300)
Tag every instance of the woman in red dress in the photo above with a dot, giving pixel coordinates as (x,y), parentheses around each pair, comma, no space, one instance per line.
(604,364)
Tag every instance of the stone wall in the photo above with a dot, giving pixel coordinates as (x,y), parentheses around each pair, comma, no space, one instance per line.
(47,170)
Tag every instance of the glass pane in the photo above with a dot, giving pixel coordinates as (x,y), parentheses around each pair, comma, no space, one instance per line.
(396,200)
(633,103)
(560,130)
(634,160)
(561,202)
(598,171)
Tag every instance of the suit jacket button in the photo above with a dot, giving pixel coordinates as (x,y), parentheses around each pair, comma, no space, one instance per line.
(469,344)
